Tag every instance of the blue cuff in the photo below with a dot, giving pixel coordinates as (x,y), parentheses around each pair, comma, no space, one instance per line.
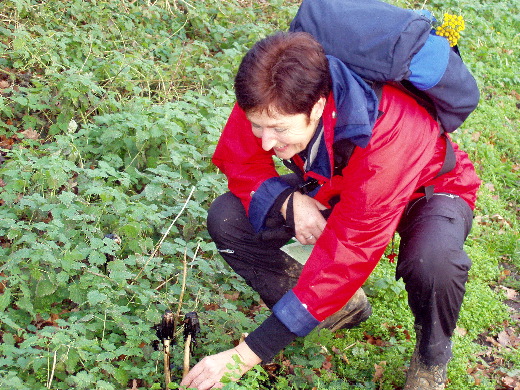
(263,199)
(294,315)
(429,64)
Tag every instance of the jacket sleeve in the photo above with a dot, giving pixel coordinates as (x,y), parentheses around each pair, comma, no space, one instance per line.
(249,169)
(381,179)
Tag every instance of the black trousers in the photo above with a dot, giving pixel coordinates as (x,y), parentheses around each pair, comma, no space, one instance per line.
(431,261)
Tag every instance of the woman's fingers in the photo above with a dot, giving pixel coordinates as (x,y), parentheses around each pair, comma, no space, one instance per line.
(207,373)
(308,220)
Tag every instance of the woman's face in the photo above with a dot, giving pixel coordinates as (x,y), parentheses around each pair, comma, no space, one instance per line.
(287,135)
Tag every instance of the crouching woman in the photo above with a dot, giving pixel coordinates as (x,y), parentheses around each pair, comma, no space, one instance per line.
(365,165)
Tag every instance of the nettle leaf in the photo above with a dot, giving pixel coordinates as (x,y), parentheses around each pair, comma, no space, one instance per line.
(72,360)
(87,318)
(167,248)
(131,230)
(119,271)
(83,380)
(66,197)
(77,293)
(72,260)
(96,243)
(62,278)
(153,191)
(23,253)
(97,258)
(46,285)
(94,297)
(25,302)
(121,375)
(5,299)
(7,338)
(104,385)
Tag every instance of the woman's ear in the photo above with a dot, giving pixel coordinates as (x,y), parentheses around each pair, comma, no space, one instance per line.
(317,109)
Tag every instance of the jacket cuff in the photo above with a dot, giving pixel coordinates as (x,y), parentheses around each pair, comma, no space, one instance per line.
(269,338)
(263,200)
(294,315)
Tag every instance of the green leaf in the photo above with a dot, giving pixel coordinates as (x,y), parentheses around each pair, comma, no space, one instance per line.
(5,299)
(119,271)
(97,258)
(72,360)
(6,320)
(46,285)
(25,302)
(121,375)
(95,297)
(72,260)
(66,197)
(104,385)
(131,230)
(153,191)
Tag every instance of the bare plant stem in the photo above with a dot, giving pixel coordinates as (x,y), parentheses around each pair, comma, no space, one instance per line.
(186,363)
(184,277)
(167,375)
(51,376)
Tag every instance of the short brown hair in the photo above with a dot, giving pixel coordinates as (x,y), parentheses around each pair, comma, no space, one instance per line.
(288,72)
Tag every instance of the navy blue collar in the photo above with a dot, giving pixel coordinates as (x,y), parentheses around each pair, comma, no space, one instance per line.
(356,104)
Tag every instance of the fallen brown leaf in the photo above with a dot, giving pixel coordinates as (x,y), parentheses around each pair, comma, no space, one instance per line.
(327,364)
(508,338)
(30,134)
(509,292)
(379,371)
(232,296)
(490,186)
(492,341)
(373,340)
(461,331)
(511,382)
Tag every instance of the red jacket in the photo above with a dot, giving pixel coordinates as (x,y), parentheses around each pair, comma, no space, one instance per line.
(404,154)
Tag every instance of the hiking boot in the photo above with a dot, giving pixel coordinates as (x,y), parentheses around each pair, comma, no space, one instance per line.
(356,311)
(421,376)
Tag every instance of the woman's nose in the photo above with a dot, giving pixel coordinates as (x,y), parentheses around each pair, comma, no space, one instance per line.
(268,139)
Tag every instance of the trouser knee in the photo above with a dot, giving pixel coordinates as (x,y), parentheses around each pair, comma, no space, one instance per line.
(434,270)
(265,268)
(225,218)
(432,260)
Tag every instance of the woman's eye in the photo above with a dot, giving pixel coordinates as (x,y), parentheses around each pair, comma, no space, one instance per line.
(279,129)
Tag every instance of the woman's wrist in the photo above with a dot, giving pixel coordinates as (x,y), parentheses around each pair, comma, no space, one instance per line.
(269,338)
(283,208)
(246,355)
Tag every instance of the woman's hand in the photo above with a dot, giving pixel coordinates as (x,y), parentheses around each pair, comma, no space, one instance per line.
(308,221)
(207,373)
